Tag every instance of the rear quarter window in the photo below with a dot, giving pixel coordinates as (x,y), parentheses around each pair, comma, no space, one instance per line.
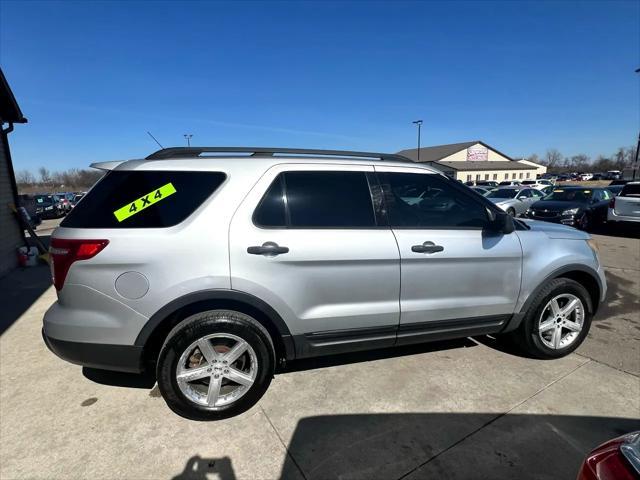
(143,199)
(631,190)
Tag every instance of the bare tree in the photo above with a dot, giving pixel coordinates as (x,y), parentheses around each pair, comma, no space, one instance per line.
(25,177)
(553,158)
(45,175)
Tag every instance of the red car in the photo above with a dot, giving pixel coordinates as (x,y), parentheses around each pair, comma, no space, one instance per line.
(617,459)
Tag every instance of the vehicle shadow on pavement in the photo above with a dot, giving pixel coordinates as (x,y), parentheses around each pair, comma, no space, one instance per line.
(414,445)
(621,298)
(198,468)
(20,289)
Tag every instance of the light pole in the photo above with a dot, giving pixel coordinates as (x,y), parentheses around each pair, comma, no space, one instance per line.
(419,124)
(188,137)
(634,168)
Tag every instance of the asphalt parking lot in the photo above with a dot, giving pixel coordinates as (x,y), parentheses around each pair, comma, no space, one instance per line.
(462,409)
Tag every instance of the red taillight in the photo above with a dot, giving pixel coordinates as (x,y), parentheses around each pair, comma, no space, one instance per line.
(612,203)
(65,252)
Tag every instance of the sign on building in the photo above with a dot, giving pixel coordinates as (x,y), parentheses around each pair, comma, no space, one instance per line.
(477,153)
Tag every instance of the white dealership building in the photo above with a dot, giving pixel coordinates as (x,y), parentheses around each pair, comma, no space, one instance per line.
(473,161)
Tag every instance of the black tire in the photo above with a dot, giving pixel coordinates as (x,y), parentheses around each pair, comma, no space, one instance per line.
(584,223)
(526,336)
(511,212)
(196,327)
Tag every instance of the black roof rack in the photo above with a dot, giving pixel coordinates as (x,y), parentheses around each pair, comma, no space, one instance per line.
(181,152)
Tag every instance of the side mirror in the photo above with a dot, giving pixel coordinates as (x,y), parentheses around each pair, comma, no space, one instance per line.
(500,222)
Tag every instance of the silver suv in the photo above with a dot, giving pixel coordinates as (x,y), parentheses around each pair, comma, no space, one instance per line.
(214,266)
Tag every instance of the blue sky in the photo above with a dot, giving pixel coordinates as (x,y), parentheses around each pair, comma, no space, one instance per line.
(93,77)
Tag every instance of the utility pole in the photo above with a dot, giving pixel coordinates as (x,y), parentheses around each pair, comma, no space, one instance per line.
(419,124)
(634,168)
(188,137)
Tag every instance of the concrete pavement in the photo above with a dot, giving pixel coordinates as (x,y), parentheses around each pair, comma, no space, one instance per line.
(461,409)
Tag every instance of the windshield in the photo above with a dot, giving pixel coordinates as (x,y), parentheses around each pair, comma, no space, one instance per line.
(570,195)
(40,199)
(503,193)
(529,182)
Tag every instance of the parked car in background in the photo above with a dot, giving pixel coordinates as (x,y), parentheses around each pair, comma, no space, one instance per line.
(580,207)
(617,459)
(563,178)
(625,208)
(509,183)
(614,175)
(585,177)
(619,182)
(546,190)
(482,190)
(76,198)
(137,292)
(29,204)
(49,206)
(537,184)
(514,200)
(487,183)
(615,189)
(65,200)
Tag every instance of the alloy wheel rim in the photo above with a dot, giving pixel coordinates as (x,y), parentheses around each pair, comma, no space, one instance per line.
(217,370)
(561,321)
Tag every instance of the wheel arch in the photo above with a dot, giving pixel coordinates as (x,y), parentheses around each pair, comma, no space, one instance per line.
(584,275)
(155,331)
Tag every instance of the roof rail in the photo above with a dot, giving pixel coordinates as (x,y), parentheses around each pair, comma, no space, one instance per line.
(181,152)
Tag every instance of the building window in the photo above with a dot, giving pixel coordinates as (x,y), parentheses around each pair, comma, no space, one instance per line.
(469,177)
(506,176)
(513,176)
(495,176)
(528,174)
(477,177)
(521,175)
(486,177)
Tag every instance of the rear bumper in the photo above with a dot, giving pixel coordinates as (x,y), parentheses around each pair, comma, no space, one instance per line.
(122,358)
(613,217)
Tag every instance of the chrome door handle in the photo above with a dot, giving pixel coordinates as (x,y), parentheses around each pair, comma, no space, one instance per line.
(268,249)
(427,247)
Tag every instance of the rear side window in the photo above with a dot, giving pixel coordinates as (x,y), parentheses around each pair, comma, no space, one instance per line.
(631,190)
(317,200)
(143,199)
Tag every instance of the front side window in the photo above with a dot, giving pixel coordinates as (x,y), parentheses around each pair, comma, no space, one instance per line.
(317,199)
(416,200)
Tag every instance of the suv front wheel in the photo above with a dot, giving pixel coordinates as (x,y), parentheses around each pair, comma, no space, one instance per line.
(215,364)
(557,322)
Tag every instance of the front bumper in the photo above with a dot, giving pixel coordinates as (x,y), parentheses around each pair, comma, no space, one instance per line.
(122,358)
(570,220)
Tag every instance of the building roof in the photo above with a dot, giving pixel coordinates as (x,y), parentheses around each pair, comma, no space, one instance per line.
(485,165)
(9,109)
(438,152)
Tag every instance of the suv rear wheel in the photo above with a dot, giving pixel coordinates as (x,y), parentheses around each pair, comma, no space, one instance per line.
(557,322)
(215,364)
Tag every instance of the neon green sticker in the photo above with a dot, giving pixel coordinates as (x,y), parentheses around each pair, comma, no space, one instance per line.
(145,201)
